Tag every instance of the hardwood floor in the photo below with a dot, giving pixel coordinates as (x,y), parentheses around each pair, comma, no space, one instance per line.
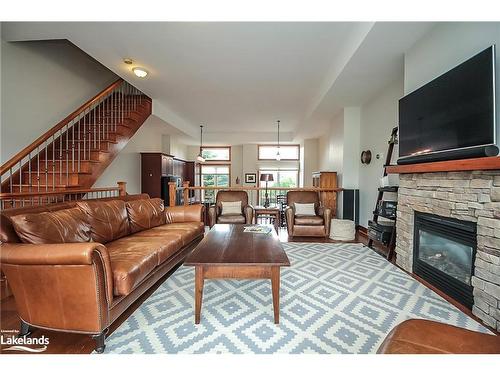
(66,343)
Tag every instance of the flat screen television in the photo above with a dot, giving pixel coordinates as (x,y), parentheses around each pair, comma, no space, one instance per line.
(453,116)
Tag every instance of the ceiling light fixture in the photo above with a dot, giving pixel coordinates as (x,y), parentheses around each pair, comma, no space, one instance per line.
(127,61)
(200,157)
(278,156)
(140,72)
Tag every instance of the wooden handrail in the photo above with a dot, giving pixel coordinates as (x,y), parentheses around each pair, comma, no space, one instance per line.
(254,188)
(4,196)
(27,150)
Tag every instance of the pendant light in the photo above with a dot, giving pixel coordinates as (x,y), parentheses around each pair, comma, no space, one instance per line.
(278,156)
(200,157)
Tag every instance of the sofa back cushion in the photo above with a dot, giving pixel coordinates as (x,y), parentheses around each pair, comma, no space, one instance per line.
(63,226)
(145,213)
(108,220)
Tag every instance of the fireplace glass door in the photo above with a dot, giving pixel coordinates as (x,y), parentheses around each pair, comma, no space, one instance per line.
(449,256)
(444,253)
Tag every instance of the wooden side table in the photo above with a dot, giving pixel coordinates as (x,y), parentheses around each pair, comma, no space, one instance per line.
(273,212)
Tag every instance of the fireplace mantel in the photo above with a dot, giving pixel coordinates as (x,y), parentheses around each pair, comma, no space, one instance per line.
(477,164)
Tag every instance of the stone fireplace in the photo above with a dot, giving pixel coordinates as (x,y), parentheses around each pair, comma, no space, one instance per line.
(471,203)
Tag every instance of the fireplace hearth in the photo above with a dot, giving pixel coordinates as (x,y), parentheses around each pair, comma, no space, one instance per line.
(444,254)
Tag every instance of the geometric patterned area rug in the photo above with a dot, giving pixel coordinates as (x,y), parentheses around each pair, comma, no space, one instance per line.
(335,298)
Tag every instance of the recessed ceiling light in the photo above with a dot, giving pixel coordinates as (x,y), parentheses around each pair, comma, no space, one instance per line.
(127,61)
(140,72)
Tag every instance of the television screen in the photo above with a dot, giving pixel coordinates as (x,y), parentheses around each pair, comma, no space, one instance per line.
(455,110)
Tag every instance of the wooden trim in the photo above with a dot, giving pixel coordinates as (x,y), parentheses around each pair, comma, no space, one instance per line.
(218,147)
(476,164)
(276,145)
(243,188)
(5,196)
(24,152)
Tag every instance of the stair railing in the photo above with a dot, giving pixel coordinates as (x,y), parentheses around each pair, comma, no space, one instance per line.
(48,162)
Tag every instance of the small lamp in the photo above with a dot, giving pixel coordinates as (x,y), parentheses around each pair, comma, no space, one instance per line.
(266,177)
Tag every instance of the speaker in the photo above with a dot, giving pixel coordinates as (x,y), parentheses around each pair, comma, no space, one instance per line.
(350,205)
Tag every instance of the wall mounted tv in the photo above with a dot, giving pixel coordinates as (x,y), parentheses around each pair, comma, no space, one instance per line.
(453,116)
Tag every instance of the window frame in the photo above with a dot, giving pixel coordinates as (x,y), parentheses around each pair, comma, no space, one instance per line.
(277,170)
(276,145)
(203,191)
(216,147)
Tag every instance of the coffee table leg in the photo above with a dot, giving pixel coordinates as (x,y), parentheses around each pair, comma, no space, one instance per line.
(275,284)
(198,293)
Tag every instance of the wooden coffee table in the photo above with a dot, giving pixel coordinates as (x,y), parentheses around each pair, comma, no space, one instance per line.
(227,252)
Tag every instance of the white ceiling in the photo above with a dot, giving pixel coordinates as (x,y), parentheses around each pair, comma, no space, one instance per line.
(242,77)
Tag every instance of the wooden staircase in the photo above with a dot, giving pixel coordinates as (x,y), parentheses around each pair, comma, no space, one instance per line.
(73,154)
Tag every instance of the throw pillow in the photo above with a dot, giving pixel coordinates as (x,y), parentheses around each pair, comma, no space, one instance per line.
(304,209)
(63,226)
(231,208)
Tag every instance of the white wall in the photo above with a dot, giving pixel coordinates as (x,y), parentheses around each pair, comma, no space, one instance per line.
(445,46)
(310,155)
(43,82)
(378,117)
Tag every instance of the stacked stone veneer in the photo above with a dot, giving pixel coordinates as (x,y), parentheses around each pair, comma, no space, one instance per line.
(471,196)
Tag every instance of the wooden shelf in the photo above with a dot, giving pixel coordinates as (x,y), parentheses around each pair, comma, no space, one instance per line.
(476,164)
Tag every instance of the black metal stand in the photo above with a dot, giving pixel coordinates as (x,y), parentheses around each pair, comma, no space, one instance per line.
(392,242)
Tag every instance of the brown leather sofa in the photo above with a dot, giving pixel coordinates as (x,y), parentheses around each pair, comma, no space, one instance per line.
(310,226)
(420,336)
(215,215)
(77,266)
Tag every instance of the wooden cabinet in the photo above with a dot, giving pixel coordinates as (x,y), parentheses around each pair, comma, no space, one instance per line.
(327,180)
(154,165)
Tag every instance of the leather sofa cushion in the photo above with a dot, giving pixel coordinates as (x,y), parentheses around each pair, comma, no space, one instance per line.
(145,213)
(134,257)
(108,220)
(231,219)
(63,226)
(187,232)
(308,220)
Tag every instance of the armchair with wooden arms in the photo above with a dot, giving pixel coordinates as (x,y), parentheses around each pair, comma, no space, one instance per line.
(317,225)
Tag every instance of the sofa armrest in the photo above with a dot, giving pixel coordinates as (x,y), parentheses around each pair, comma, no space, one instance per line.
(290,219)
(212,215)
(248,212)
(65,286)
(183,214)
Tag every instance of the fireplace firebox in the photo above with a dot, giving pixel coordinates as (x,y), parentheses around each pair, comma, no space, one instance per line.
(444,253)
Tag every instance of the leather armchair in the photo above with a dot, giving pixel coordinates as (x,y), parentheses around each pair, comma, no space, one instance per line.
(215,212)
(309,226)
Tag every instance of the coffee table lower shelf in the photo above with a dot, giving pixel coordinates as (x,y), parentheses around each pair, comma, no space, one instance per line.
(236,272)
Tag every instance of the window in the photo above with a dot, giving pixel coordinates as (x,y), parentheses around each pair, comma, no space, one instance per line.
(216,153)
(287,152)
(285,178)
(214,175)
